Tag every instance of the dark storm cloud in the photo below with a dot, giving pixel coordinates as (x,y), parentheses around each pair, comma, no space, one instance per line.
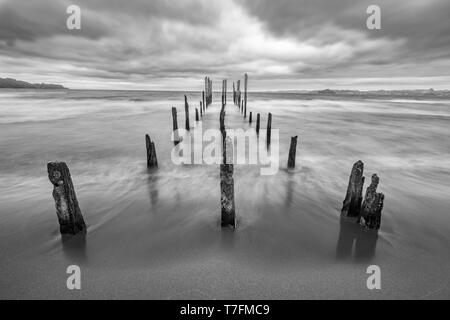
(145,41)
(31,20)
(423,24)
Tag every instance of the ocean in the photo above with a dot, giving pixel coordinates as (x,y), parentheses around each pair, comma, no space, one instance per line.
(157,235)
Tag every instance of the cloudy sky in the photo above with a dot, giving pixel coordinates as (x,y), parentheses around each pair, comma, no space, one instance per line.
(283,44)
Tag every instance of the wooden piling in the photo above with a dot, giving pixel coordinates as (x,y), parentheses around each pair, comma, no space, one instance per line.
(152,161)
(250,118)
(258,123)
(203,97)
(245,95)
(175,126)
(70,219)
(370,217)
(352,204)
(269,129)
(186,111)
(201,110)
(228,211)
(292,152)
(196,115)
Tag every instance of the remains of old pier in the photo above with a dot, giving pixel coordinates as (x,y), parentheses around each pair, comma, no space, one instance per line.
(292,153)
(70,219)
(152,161)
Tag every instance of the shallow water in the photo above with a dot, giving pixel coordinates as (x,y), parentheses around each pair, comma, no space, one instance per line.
(157,234)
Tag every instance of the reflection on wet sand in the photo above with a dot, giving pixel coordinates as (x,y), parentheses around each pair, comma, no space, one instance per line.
(352,233)
(153,187)
(74,247)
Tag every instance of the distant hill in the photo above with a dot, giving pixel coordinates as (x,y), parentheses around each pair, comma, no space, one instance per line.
(16,84)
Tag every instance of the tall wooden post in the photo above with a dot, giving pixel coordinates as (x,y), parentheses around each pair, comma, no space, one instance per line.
(250,118)
(201,109)
(292,152)
(258,123)
(68,211)
(196,115)
(186,111)
(204,105)
(245,95)
(372,206)
(175,126)
(352,204)
(269,129)
(152,161)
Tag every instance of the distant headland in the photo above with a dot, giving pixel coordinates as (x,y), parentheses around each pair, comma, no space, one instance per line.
(8,83)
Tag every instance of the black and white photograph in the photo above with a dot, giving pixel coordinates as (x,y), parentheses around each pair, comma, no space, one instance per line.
(224,150)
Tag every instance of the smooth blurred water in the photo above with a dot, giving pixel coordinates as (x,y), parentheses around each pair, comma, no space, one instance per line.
(157,234)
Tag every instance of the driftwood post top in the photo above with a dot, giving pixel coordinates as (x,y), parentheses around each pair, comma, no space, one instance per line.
(152,161)
(68,211)
(352,203)
(292,152)
(372,206)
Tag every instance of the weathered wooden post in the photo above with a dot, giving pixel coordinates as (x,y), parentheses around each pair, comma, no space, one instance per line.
(245,95)
(186,111)
(352,203)
(152,162)
(269,129)
(196,115)
(292,152)
(258,123)
(234,94)
(175,126)
(201,110)
(250,118)
(370,217)
(68,211)
(227,186)
(204,105)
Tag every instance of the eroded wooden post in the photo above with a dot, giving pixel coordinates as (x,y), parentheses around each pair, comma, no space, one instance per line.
(352,204)
(269,129)
(258,123)
(70,219)
(227,186)
(152,161)
(245,95)
(370,217)
(204,105)
(250,118)
(196,115)
(186,111)
(201,110)
(292,152)
(175,126)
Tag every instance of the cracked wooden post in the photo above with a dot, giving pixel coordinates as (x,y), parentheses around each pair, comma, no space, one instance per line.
(245,95)
(196,115)
(370,217)
(152,161)
(176,138)
(269,129)
(70,219)
(203,97)
(258,123)
(227,186)
(186,111)
(352,204)
(292,152)
(250,118)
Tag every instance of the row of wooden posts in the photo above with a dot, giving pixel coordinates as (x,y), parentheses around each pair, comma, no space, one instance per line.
(367,213)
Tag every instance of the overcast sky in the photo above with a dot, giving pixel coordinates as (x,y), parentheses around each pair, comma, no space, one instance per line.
(282,44)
